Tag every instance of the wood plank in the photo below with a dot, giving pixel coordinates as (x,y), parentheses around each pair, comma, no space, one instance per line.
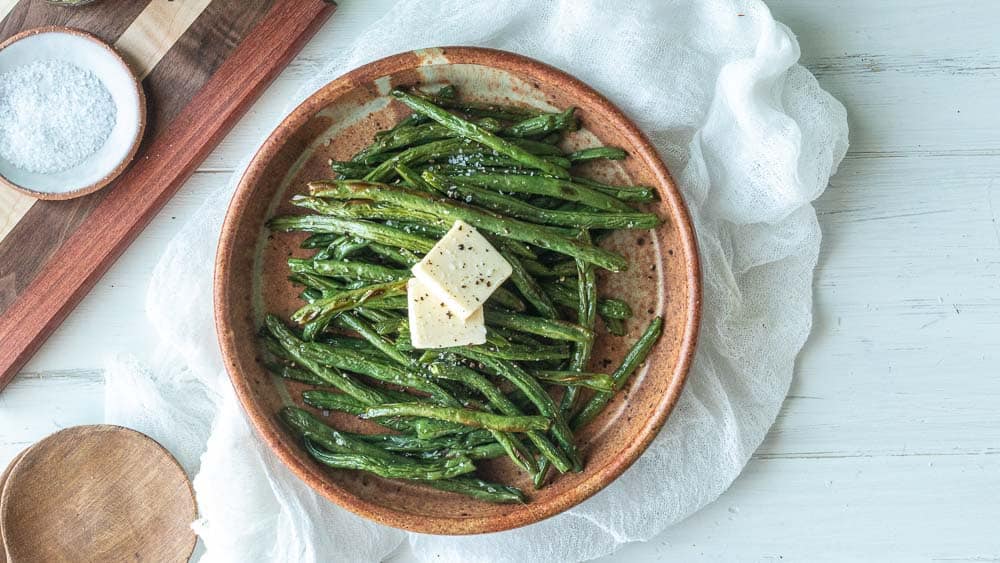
(170,159)
(156,30)
(106,20)
(905,508)
(13,206)
(169,87)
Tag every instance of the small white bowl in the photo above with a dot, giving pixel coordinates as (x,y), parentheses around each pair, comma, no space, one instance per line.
(89,53)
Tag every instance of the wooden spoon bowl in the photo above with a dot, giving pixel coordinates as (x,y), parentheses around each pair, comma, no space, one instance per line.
(340,119)
(97,493)
(3,484)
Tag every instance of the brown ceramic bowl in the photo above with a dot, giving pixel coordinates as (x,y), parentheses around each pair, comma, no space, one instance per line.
(339,120)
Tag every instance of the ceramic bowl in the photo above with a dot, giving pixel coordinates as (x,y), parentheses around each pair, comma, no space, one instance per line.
(89,53)
(340,119)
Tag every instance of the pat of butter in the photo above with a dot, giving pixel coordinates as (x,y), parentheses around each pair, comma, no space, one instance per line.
(434,325)
(463,269)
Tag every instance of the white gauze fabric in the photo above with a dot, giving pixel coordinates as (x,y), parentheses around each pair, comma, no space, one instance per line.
(751,140)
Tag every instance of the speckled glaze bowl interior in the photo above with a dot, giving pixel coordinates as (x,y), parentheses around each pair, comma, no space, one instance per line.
(340,119)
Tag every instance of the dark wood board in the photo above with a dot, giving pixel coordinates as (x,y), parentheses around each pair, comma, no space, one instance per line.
(201,85)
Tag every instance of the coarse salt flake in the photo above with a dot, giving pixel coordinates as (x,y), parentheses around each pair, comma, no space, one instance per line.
(53,115)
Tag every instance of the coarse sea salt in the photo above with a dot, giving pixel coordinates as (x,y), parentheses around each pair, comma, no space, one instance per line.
(53,115)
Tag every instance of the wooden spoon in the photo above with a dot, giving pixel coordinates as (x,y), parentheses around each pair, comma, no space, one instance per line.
(3,484)
(97,493)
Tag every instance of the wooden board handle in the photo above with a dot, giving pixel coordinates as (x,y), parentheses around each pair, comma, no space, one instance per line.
(154,178)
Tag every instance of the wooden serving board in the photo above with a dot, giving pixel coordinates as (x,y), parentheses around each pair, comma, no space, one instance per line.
(202,63)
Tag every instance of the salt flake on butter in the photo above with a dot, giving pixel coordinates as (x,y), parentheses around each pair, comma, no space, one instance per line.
(463,269)
(434,325)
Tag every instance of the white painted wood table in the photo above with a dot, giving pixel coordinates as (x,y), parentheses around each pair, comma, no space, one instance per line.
(888,447)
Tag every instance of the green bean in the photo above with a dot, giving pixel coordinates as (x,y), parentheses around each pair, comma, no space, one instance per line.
(367,210)
(496,111)
(536,268)
(607,308)
(319,240)
(404,137)
(549,328)
(530,387)
(491,223)
(482,162)
(624,193)
(412,444)
(322,311)
(587,305)
(467,417)
(528,287)
(285,370)
(293,347)
(386,303)
(477,381)
(595,153)
(527,353)
(457,188)
(615,327)
(551,187)
(595,381)
(351,343)
(586,315)
(353,270)
(426,428)
(352,361)
(635,356)
(347,248)
(315,431)
(368,333)
(412,179)
(364,364)
(310,294)
(520,352)
(478,489)
(540,149)
(397,467)
(370,231)
(472,131)
(389,327)
(485,451)
(543,124)
(349,169)
(400,256)
(420,153)
(313,281)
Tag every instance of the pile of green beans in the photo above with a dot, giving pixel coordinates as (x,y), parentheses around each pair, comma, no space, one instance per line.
(500,169)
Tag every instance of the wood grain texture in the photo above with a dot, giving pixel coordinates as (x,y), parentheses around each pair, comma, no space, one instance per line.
(885,448)
(97,493)
(13,206)
(169,87)
(116,216)
(105,22)
(155,31)
(3,484)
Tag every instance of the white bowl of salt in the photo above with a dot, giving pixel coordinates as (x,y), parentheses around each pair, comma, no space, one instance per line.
(71,113)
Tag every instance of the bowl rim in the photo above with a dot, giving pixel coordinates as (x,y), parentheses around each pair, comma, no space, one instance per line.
(264,423)
(136,141)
